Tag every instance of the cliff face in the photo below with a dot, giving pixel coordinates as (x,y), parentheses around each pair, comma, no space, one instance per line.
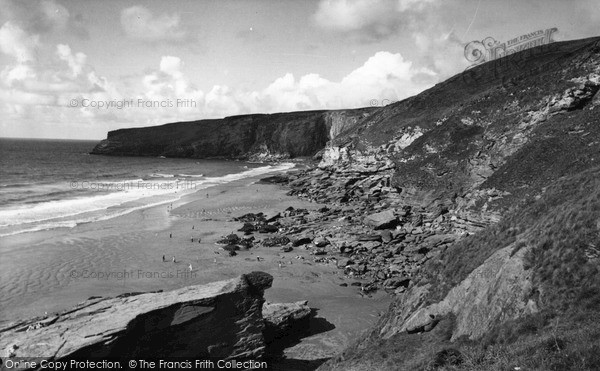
(253,137)
(485,131)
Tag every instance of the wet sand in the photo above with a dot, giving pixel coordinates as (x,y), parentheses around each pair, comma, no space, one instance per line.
(49,271)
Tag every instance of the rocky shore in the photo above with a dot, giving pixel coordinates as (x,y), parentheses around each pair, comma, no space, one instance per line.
(222,320)
(366,230)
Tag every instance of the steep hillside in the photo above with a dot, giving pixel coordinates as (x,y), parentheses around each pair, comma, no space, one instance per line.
(527,290)
(485,191)
(255,137)
(515,122)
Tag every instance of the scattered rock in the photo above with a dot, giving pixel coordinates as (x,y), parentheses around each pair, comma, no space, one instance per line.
(381,220)
(393,283)
(320,252)
(275,241)
(425,327)
(386,236)
(370,237)
(343,262)
(321,242)
(231,239)
(299,241)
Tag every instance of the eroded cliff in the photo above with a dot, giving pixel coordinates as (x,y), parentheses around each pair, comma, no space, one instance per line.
(252,137)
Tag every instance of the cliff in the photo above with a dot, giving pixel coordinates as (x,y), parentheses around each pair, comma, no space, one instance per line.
(476,204)
(252,137)
(491,129)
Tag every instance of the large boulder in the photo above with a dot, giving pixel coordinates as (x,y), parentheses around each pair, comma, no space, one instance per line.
(220,319)
(382,220)
(284,319)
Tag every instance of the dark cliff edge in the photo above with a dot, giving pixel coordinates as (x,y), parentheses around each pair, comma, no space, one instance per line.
(252,137)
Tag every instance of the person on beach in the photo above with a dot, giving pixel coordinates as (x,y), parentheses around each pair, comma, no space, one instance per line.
(190,267)
(192,239)
(163,258)
(174,261)
(170,235)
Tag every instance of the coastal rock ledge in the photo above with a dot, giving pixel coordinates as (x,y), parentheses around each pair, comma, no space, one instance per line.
(218,320)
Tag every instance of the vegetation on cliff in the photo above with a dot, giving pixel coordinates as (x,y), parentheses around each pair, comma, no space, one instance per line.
(521,148)
(561,230)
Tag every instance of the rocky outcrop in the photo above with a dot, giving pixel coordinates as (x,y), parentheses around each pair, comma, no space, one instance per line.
(382,220)
(258,137)
(221,320)
(497,291)
(285,319)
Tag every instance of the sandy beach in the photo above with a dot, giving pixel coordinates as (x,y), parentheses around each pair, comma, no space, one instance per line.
(53,270)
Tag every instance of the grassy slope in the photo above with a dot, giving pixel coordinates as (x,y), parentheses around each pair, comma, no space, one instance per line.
(562,227)
(496,109)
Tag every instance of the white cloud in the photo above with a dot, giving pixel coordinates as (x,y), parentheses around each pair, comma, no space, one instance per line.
(368,20)
(139,23)
(19,72)
(383,76)
(15,42)
(42,17)
(171,66)
(170,79)
(40,88)
(76,62)
(404,5)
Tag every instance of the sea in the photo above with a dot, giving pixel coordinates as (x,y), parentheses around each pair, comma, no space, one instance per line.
(46,184)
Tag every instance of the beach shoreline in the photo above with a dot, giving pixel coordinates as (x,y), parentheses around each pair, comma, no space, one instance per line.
(49,271)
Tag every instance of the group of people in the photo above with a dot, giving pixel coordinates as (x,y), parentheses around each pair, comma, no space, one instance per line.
(190,267)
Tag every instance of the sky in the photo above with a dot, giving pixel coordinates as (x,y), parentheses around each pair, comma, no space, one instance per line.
(78,69)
